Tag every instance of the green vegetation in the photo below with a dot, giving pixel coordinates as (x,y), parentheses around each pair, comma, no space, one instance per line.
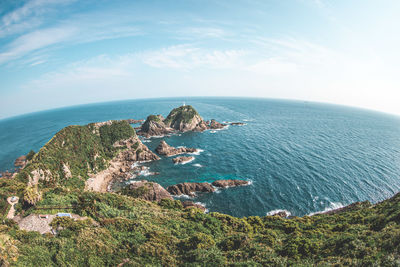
(182,114)
(30,155)
(122,228)
(125,229)
(79,150)
(153,118)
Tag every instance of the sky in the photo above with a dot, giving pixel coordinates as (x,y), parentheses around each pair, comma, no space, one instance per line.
(56,53)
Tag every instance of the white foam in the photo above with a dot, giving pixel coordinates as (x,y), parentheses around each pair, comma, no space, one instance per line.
(145,173)
(182,196)
(203,205)
(198,151)
(273,212)
(146,141)
(213,131)
(197,165)
(332,206)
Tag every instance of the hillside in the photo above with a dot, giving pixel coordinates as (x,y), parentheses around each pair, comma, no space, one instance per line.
(121,230)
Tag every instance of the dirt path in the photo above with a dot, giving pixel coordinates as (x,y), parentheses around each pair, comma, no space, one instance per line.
(11,212)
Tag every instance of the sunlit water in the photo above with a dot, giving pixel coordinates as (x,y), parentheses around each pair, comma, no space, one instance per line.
(301,157)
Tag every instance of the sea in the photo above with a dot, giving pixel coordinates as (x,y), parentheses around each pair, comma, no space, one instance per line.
(300,157)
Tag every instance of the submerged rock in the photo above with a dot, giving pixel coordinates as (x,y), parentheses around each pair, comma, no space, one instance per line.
(147,190)
(181,160)
(237,123)
(190,188)
(229,183)
(167,150)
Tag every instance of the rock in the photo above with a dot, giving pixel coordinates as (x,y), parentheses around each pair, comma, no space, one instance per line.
(190,204)
(20,162)
(237,123)
(167,150)
(182,160)
(216,125)
(154,126)
(147,190)
(7,175)
(229,183)
(190,188)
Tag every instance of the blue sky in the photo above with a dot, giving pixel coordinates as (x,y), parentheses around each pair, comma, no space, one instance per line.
(57,53)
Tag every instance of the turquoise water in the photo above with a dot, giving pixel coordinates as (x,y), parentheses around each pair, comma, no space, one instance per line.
(302,157)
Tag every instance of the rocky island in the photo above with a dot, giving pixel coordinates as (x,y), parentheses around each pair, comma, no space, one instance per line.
(181,119)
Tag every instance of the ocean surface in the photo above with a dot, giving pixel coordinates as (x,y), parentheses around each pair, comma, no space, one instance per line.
(299,156)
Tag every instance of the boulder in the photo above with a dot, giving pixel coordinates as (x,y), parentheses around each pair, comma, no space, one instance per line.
(190,188)
(181,160)
(147,190)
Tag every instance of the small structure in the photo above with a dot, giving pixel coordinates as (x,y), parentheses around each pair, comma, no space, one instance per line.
(43,216)
(62,214)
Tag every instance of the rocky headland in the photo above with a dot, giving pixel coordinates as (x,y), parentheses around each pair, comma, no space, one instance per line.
(166,150)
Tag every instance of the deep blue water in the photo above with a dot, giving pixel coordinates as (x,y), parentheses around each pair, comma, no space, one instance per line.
(302,157)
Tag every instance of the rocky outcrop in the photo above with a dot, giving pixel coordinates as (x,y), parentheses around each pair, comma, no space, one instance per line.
(167,150)
(181,119)
(190,189)
(229,183)
(154,126)
(8,175)
(238,123)
(147,190)
(20,162)
(214,125)
(182,160)
(191,204)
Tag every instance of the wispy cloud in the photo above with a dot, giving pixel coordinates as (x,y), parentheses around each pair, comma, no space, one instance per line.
(187,57)
(28,16)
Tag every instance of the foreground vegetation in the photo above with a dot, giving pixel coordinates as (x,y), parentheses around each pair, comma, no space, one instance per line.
(122,229)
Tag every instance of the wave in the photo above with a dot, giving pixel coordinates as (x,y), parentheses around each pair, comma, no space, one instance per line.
(274,212)
(182,196)
(332,206)
(197,165)
(198,151)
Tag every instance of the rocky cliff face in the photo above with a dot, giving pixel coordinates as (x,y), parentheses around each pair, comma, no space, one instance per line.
(166,150)
(154,126)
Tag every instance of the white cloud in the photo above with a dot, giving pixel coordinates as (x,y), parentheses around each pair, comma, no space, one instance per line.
(187,57)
